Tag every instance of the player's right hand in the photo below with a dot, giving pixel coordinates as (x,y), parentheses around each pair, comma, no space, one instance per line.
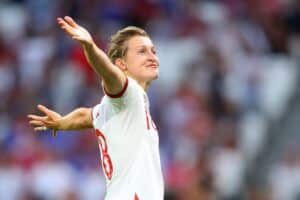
(49,121)
(76,31)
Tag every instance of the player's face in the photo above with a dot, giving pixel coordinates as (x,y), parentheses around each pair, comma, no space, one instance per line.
(141,60)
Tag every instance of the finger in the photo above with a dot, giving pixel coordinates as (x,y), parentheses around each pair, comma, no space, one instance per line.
(61,22)
(44,109)
(40,128)
(71,21)
(65,26)
(59,19)
(36,123)
(36,117)
(47,111)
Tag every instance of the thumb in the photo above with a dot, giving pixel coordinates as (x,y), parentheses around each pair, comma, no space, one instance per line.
(44,109)
(47,111)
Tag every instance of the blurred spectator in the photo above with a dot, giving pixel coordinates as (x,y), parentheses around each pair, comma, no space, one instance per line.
(285,177)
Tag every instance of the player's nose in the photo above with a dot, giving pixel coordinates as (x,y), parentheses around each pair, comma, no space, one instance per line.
(153,57)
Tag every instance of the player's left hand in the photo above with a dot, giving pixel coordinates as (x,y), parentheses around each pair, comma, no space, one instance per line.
(49,121)
(74,30)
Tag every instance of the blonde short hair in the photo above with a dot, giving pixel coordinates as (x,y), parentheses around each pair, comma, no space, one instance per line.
(118,46)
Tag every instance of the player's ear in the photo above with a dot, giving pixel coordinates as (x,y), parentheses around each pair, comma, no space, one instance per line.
(121,64)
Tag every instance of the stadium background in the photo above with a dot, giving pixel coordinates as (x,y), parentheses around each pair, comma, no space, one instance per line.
(226,105)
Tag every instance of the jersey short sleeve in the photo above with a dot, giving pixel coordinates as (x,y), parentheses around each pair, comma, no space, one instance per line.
(113,104)
(128,96)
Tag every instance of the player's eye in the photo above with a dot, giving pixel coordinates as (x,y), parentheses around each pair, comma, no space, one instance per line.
(142,51)
(154,51)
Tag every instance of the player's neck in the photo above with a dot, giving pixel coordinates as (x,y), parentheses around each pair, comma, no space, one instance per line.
(145,85)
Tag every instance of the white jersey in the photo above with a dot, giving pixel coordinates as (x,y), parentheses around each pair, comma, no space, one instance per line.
(129,145)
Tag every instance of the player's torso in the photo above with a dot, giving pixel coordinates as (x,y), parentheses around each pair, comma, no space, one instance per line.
(128,140)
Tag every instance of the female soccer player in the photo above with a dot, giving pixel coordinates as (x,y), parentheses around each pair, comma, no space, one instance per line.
(127,136)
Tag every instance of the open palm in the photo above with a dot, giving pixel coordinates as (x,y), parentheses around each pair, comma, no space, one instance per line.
(76,31)
(49,121)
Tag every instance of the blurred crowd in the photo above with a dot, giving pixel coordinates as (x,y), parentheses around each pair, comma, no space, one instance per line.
(228,68)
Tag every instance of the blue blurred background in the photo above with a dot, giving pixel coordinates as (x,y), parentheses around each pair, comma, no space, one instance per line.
(227,103)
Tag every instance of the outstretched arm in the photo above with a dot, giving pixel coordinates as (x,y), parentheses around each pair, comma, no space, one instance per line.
(113,78)
(80,118)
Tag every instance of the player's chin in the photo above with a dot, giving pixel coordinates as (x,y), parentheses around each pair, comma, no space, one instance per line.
(151,74)
(154,75)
